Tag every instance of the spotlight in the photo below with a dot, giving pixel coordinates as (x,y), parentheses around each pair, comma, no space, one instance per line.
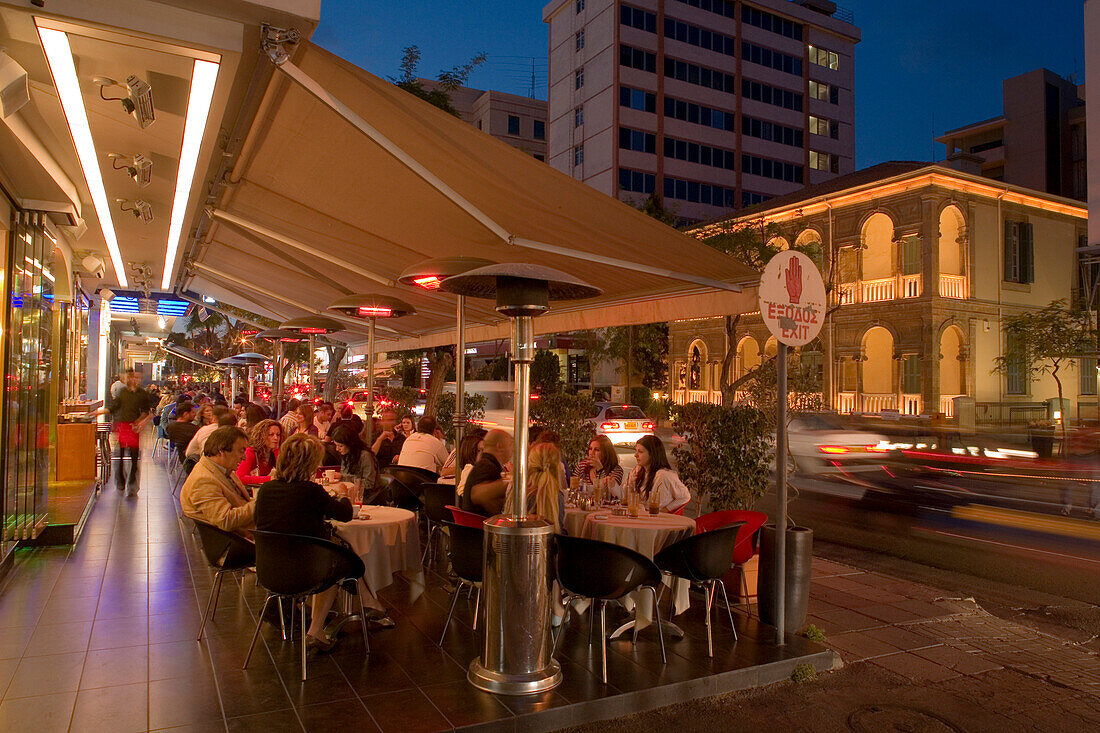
(139,101)
(138,168)
(139,208)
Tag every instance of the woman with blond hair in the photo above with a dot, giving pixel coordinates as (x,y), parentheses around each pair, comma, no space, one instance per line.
(264,441)
(545,491)
(295,504)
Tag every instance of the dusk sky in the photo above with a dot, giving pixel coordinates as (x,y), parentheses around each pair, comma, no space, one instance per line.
(917,59)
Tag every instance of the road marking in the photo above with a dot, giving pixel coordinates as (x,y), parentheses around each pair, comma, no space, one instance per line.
(1008,544)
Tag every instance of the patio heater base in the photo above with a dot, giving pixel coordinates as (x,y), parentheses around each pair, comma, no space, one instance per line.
(514,684)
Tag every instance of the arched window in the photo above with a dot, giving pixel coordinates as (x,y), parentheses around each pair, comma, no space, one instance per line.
(697,365)
(878,364)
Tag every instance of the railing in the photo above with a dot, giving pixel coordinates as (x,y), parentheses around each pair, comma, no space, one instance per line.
(845,402)
(846,293)
(684,396)
(879,402)
(910,286)
(881,289)
(947,404)
(953,286)
(911,404)
(1009,413)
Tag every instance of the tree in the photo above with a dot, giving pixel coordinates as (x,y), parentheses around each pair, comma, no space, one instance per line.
(570,417)
(1043,342)
(448,80)
(642,350)
(725,453)
(546,372)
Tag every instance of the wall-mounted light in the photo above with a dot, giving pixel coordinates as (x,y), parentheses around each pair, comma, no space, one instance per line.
(139,208)
(139,167)
(138,100)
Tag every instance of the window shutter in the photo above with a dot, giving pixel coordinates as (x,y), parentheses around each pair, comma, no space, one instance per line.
(1010,252)
(1027,253)
(911,256)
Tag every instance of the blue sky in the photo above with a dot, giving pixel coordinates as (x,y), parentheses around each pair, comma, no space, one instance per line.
(916,59)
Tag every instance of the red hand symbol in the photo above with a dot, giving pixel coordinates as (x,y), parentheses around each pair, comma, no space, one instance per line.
(794,280)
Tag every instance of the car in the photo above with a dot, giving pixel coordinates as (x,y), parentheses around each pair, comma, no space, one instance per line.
(824,443)
(622,424)
(357,399)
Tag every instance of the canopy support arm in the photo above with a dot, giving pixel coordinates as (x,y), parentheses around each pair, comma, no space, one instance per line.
(199,302)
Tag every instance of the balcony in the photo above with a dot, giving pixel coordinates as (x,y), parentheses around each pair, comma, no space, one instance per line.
(953,286)
(898,286)
(846,294)
(881,289)
(910,286)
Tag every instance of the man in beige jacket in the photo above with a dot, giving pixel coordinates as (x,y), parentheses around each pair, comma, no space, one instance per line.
(212,492)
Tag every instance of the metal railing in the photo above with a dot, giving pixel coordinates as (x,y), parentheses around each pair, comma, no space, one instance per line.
(1009,413)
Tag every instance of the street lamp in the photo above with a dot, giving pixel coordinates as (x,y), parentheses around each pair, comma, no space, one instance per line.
(312,326)
(516,658)
(371,307)
(279,337)
(428,275)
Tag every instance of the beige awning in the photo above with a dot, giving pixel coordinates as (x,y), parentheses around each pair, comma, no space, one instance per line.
(321,210)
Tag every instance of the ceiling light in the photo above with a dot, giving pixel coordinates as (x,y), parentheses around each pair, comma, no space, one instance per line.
(376,312)
(430,282)
(161,323)
(139,168)
(60,58)
(139,208)
(203,78)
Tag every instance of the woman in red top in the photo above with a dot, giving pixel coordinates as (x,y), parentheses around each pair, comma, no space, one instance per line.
(261,454)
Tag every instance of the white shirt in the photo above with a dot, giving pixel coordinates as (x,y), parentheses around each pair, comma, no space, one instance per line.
(422,450)
(194,448)
(666,484)
(460,487)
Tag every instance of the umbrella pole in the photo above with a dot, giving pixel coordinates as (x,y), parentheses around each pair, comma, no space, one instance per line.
(369,427)
(251,383)
(460,373)
(278,379)
(312,386)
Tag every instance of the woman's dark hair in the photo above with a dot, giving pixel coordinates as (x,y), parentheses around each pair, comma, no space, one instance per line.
(253,414)
(549,436)
(467,450)
(346,436)
(658,459)
(608,457)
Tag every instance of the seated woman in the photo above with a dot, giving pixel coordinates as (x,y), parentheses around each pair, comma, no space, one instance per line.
(654,477)
(545,491)
(601,467)
(468,452)
(356,460)
(262,453)
(294,504)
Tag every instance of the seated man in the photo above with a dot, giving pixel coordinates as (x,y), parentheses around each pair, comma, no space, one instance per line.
(181,430)
(388,442)
(487,484)
(212,492)
(423,449)
(222,418)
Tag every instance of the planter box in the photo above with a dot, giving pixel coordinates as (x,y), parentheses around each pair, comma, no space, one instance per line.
(732,579)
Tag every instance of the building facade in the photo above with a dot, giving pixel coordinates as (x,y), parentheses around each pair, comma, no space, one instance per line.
(1039,140)
(517,120)
(924,263)
(711,104)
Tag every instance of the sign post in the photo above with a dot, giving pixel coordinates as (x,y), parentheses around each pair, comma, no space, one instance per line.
(792,304)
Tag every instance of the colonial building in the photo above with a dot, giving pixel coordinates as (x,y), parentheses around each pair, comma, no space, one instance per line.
(924,262)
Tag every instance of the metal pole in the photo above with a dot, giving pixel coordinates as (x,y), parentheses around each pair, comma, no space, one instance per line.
(523,349)
(370,382)
(781,495)
(312,388)
(460,373)
(278,379)
(251,384)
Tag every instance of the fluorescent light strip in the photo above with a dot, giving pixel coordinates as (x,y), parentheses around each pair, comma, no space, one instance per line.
(59,55)
(203,78)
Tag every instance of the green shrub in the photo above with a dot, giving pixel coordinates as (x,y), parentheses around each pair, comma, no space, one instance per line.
(445,411)
(401,399)
(546,372)
(814,633)
(804,673)
(641,396)
(569,416)
(725,455)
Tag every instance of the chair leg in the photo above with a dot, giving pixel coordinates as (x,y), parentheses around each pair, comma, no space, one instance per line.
(564,622)
(603,638)
(660,631)
(745,588)
(477,607)
(363,618)
(211,603)
(302,612)
(256,633)
(709,590)
(282,620)
(729,611)
(447,623)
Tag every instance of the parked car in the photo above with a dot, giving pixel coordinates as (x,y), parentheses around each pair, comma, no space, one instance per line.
(622,424)
(357,399)
(823,443)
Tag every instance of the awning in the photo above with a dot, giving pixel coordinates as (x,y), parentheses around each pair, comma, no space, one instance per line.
(189,355)
(321,210)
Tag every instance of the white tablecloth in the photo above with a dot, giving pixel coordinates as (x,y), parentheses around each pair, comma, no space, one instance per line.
(574,520)
(647,535)
(388,543)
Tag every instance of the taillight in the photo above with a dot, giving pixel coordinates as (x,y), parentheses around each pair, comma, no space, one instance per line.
(649,426)
(833,449)
(876,448)
(609,426)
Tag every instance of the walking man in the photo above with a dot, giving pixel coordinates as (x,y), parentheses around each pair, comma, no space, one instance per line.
(130,410)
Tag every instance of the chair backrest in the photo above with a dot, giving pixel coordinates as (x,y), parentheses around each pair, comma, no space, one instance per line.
(436,498)
(467,549)
(225,550)
(679,511)
(291,564)
(465,518)
(412,476)
(746,545)
(595,569)
(701,557)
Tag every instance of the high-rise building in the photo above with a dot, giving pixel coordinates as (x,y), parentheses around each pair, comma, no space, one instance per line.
(518,121)
(1039,140)
(711,104)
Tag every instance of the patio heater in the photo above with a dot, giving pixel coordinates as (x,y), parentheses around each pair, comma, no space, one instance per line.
(279,337)
(516,657)
(312,326)
(371,307)
(428,275)
(248,359)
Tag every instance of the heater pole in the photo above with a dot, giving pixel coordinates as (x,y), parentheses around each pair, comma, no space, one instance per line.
(312,386)
(370,382)
(460,373)
(523,348)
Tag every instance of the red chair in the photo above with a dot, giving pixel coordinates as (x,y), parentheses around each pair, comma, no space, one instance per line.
(680,512)
(465,518)
(744,546)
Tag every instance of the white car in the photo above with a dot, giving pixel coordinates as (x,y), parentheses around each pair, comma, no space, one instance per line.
(822,443)
(622,424)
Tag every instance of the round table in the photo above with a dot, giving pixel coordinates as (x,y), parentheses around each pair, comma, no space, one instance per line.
(388,543)
(574,520)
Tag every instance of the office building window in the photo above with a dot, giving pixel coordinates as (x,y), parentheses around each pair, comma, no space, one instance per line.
(823,57)
(824,92)
(693,152)
(700,75)
(636,181)
(1019,252)
(824,127)
(643,20)
(748,198)
(768,168)
(768,94)
(772,59)
(636,58)
(513,125)
(823,161)
(578,155)
(698,114)
(1087,382)
(579,40)
(699,193)
(772,131)
(538,130)
(637,140)
(701,37)
(718,7)
(578,78)
(637,99)
(578,117)
(580,5)
(770,22)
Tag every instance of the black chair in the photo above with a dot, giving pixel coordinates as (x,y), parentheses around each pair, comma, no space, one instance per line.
(405,487)
(467,550)
(295,567)
(435,498)
(603,572)
(702,560)
(226,552)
